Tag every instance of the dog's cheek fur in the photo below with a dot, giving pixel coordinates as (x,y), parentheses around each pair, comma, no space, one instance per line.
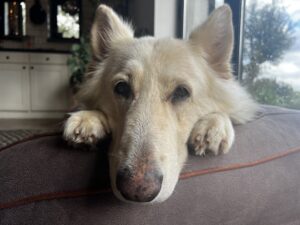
(222,95)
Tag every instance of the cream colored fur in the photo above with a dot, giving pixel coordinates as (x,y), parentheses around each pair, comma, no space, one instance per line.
(154,68)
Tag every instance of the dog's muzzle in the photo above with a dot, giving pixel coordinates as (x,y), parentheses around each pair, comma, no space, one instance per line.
(141,185)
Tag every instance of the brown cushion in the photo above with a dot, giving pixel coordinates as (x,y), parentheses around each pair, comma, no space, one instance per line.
(43,181)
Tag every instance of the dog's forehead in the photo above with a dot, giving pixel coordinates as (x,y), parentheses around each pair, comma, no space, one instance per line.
(162,56)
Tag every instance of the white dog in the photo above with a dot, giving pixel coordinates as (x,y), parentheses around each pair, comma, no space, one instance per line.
(155,97)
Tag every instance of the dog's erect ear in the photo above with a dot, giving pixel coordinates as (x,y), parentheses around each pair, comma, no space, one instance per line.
(215,37)
(107,28)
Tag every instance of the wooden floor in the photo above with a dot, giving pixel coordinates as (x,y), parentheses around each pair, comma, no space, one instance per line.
(31,124)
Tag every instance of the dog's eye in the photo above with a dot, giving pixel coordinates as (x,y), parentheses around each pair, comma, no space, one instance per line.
(180,94)
(123,89)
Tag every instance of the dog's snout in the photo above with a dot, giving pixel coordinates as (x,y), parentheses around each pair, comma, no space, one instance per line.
(139,186)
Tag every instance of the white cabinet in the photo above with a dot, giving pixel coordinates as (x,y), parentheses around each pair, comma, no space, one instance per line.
(14,89)
(49,88)
(33,85)
(14,57)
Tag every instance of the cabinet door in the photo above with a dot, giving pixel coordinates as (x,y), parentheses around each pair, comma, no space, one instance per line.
(14,87)
(49,88)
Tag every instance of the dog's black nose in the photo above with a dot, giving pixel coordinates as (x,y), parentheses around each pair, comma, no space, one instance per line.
(139,186)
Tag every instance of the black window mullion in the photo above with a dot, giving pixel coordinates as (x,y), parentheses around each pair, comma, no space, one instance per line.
(237,16)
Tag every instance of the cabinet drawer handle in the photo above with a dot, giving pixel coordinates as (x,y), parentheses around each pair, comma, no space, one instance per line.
(47,59)
(7,57)
(24,67)
(32,67)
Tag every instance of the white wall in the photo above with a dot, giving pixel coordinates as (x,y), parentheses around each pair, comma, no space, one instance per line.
(165,18)
(195,14)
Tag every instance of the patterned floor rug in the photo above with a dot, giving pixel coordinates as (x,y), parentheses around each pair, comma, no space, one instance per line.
(8,137)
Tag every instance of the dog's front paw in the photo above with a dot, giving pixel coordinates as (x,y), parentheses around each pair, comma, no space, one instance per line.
(214,132)
(85,127)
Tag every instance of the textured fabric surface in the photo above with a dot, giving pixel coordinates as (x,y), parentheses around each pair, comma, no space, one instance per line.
(8,137)
(267,193)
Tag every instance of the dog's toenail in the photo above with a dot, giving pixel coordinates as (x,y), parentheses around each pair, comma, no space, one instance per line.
(91,139)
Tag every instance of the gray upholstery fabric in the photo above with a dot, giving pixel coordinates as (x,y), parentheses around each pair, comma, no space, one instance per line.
(267,193)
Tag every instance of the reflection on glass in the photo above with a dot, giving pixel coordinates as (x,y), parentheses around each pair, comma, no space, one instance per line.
(23,8)
(271,52)
(6,26)
(67,22)
(14,18)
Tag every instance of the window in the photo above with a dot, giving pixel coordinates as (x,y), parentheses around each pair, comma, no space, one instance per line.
(266,57)
(271,52)
(65,20)
(13,19)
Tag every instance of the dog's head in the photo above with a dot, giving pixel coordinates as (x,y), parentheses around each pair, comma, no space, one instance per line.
(152,92)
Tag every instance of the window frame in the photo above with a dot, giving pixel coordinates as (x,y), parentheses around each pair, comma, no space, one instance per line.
(238,16)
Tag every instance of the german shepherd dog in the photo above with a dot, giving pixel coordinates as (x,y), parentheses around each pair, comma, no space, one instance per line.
(156,97)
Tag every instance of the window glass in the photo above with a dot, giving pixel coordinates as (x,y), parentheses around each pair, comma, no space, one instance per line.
(67,24)
(65,20)
(23,8)
(271,52)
